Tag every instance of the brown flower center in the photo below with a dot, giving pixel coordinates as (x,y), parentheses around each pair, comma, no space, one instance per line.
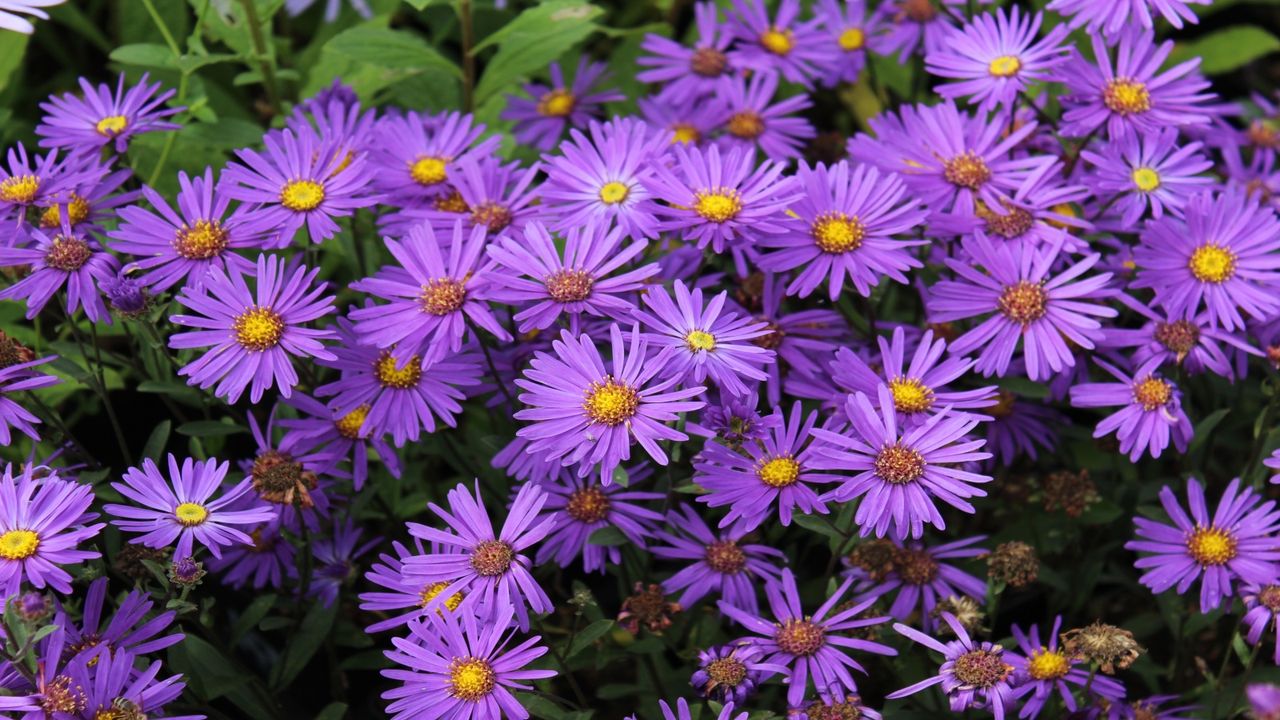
(728,672)
(1023,302)
(67,254)
(492,215)
(202,241)
(492,558)
(278,478)
(588,505)
(916,566)
(724,556)
(981,669)
(898,465)
(442,296)
(967,170)
(747,125)
(1179,336)
(565,286)
(708,62)
(1269,597)
(800,638)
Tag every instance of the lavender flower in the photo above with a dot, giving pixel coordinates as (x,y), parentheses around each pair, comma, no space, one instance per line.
(779,45)
(688,74)
(915,570)
(541,120)
(1151,409)
(1048,669)
(1149,171)
(1262,613)
(996,56)
(16,378)
(752,120)
(730,673)
(414,156)
(66,260)
(42,520)
(1114,16)
(335,558)
(973,674)
(579,507)
(101,118)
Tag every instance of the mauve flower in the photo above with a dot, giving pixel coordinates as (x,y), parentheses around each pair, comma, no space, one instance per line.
(778,45)
(61,260)
(1113,16)
(42,520)
(1150,413)
(16,378)
(541,119)
(718,564)
(11,20)
(973,674)
(751,119)
(1148,171)
(413,157)
(101,118)
(688,74)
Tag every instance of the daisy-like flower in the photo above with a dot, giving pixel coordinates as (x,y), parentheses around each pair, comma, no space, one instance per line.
(779,45)
(1192,342)
(31,181)
(1025,303)
(42,520)
(913,24)
(487,193)
(265,562)
(688,74)
(973,674)
(1262,613)
(1019,426)
(336,557)
(844,224)
(299,181)
(253,334)
(51,686)
(1234,543)
(131,628)
(1115,15)
(102,118)
(734,421)
(750,120)
(488,568)
(16,378)
(457,666)
(1264,699)
(62,260)
(11,20)
(1149,171)
(997,56)
(573,278)
(729,673)
(1132,94)
(700,342)
(688,123)
(182,508)
(1221,256)
(1150,413)
(722,565)
(682,711)
(579,507)
(337,435)
(850,28)
(600,179)
(1273,462)
(181,246)
(586,414)
(801,339)
(776,469)
(114,688)
(917,573)
(1049,669)
(541,119)
(413,155)
(432,293)
(899,473)
(90,201)
(813,647)
(406,597)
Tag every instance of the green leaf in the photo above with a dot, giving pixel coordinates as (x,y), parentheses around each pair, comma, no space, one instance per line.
(420,4)
(607,535)
(305,642)
(158,439)
(149,55)
(588,635)
(534,39)
(394,49)
(12,50)
(251,616)
(1227,49)
(208,428)
(333,711)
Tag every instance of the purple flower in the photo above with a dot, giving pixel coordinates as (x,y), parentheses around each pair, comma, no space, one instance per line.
(900,473)
(997,56)
(815,647)
(459,666)
(688,123)
(42,520)
(689,74)
(915,571)
(1262,612)
(973,674)
(1273,462)
(488,568)
(849,28)
(112,685)
(335,558)
(337,435)
(916,22)
(541,119)
(1234,544)
(729,673)
(781,45)
(254,334)
(1018,426)
(750,121)
(11,20)
(1047,669)
(1193,342)
(579,507)
(682,712)
(1113,16)
(1150,411)
(129,629)
(413,155)
(26,184)
(331,8)
(586,414)
(101,117)
(845,224)
(1149,170)
(1026,303)
(266,561)
(405,593)
(181,508)
(15,379)
(734,421)
(92,199)
(574,277)
(720,564)
(1264,700)
(69,261)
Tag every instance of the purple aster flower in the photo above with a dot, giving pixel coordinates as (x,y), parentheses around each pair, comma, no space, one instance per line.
(1192,342)
(1262,612)
(586,414)
(405,594)
(850,27)
(285,479)
(973,674)
(459,666)
(1026,303)
(42,520)
(997,56)
(575,277)
(915,570)
(916,23)
(335,558)
(127,295)
(721,565)
(814,647)
(1018,426)
(487,193)
(101,117)
(699,342)
(338,434)
(601,179)
(113,687)
(36,181)
(844,225)
(181,246)
(69,261)
(779,45)
(1222,254)
(682,712)
(1150,411)
(92,200)
(1132,93)
(264,562)
(1234,544)
(488,568)
(182,508)
(253,334)
(1047,669)
(431,296)
(541,119)
(1113,16)
(16,378)
(578,507)
(413,155)
(688,74)
(300,180)
(1273,462)
(688,123)
(1149,170)
(1264,700)
(11,20)
(750,121)
(900,472)
(51,686)
(729,673)
(734,421)
(799,338)
(128,630)
(778,469)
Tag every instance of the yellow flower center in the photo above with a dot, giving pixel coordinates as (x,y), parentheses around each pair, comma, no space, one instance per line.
(610,403)
(566,286)
(432,591)
(1046,664)
(471,679)
(800,638)
(587,505)
(349,425)
(556,103)
(112,125)
(258,328)
(1152,393)
(967,170)
(836,233)
(302,195)
(20,189)
(1126,96)
(203,241)
(898,465)
(18,544)
(1146,179)
(1211,546)
(747,125)
(684,134)
(614,192)
(1005,66)
(852,39)
(429,170)
(779,472)
(910,395)
(1212,264)
(719,205)
(77,212)
(391,375)
(776,41)
(190,514)
(451,203)
(1023,302)
(443,296)
(700,340)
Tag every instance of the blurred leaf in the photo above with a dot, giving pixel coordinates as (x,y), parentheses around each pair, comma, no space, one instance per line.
(1227,49)
(421,4)
(12,50)
(304,643)
(147,55)
(538,36)
(251,616)
(157,441)
(390,49)
(333,711)
(588,635)
(1101,512)
(607,535)
(208,428)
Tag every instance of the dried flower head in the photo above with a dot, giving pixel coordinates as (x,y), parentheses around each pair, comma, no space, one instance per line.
(648,606)
(1014,563)
(966,610)
(1072,492)
(1107,646)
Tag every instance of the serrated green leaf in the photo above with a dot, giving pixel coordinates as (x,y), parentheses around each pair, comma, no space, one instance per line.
(1227,49)
(531,41)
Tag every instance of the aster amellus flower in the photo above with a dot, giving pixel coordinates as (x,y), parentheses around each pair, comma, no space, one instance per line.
(918,574)
(751,119)
(413,157)
(542,118)
(65,262)
(1150,414)
(730,673)
(1149,171)
(1262,613)
(100,118)
(581,506)
(1113,16)
(689,73)
(849,26)
(777,43)
(1048,670)
(43,519)
(973,674)
(21,377)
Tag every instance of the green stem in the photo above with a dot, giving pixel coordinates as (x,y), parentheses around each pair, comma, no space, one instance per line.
(164,28)
(468,57)
(260,50)
(564,667)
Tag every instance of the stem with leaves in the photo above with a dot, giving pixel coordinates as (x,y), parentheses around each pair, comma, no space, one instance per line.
(262,54)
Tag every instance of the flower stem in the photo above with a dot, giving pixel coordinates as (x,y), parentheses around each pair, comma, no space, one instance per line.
(260,50)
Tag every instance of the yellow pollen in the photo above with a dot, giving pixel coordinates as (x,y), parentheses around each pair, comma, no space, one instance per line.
(967,170)
(430,592)
(77,212)
(898,464)
(1024,302)
(684,134)
(614,192)
(471,679)
(1004,66)
(1126,96)
(349,425)
(18,544)
(429,170)
(302,195)
(779,472)
(443,296)
(112,125)
(587,505)
(910,395)
(190,514)
(19,189)
(67,254)
(565,286)
(778,42)
(852,39)
(1152,393)
(451,203)
(258,328)
(1212,264)
(746,125)
(1046,664)
(719,205)
(610,403)
(836,233)
(1211,546)
(1146,179)
(203,241)
(391,375)
(700,340)
(556,103)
